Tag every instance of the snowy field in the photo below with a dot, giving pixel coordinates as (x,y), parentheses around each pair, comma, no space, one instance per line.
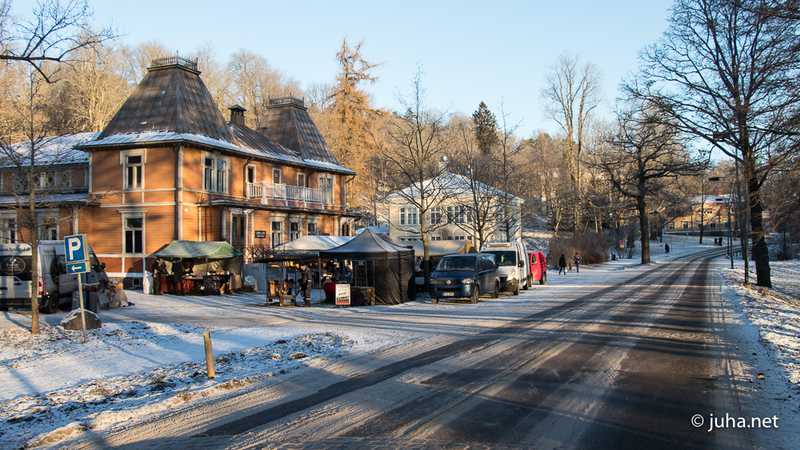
(148,358)
(774,313)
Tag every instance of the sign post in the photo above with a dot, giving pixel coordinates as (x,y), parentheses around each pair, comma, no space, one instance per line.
(77,261)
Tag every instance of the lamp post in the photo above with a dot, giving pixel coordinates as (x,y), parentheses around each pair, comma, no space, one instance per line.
(730,228)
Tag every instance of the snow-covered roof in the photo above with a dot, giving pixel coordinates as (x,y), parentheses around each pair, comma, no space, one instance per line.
(55,150)
(714,199)
(11,200)
(453,184)
(165,137)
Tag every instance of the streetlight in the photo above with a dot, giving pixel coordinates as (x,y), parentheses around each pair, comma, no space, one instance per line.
(730,228)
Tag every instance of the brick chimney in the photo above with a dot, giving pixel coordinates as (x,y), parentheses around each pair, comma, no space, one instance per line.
(237,115)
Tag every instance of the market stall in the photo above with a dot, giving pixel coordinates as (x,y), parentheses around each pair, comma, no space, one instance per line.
(195,268)
(382,271)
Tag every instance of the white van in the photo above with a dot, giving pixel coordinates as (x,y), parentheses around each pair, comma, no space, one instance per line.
(56,285)
(512,264)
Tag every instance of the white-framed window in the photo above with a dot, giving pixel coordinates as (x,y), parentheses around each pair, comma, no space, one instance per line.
(8,228)
(133,227)
(277,176)
(277,233)
(412,216)
(45,180)
(461,216)
(326,185)
(436,215)
(215,174)
(302,179)
(133,172)
(222,175)
(208,173)
(402,216)
(312,229)
(294,231)
(450,214)
(47,224)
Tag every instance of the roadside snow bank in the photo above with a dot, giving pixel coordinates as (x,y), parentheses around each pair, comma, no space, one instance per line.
(103,402)
(774,312)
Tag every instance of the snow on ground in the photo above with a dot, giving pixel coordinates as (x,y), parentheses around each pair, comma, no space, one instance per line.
(53,380)
(775,313)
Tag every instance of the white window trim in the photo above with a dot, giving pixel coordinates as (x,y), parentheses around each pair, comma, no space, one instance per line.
(123,160)
(134,214)
(215,157)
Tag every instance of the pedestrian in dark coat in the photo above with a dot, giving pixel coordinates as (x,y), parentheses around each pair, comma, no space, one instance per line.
(305,283)
(666,248)
(577,260)
(562,265)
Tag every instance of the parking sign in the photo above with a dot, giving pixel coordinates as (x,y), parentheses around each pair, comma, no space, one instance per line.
(75,254)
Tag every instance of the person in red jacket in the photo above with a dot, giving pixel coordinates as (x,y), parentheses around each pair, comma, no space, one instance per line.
(330,289)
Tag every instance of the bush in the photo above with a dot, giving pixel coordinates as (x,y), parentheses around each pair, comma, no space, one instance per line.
(592,247)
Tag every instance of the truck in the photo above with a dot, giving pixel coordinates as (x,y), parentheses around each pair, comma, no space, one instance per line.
(513,264)
(56,286)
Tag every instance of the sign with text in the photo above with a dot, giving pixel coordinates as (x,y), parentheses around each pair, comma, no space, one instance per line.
(261,234)
(76,255)
(342,294)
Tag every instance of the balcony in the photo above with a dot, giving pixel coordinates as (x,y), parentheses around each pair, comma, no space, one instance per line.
(288,195)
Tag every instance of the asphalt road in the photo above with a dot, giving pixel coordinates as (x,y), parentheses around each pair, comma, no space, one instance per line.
(621,367)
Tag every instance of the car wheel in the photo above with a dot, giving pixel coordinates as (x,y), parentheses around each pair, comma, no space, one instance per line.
(475,295)
(496,292)
(527,283)
(541,281)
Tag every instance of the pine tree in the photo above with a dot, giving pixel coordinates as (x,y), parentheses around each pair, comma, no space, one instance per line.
(485,125)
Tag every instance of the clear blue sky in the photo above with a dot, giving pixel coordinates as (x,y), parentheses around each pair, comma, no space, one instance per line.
(468,51)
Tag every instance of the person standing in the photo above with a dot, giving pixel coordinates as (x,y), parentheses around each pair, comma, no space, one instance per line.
(562,265)
(577,260)
(666,248)
(305,283)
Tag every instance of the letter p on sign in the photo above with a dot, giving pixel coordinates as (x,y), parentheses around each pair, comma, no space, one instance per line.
(74,248)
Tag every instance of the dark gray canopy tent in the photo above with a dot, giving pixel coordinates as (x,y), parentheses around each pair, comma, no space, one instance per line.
(378,263)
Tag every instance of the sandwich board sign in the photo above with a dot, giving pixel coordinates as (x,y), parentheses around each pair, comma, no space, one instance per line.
(342,294)
(76,256)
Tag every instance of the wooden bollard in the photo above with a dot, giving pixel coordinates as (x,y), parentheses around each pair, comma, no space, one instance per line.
(212,373)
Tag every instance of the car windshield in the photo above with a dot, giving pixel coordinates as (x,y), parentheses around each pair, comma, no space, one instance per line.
(505,258)
(456,263)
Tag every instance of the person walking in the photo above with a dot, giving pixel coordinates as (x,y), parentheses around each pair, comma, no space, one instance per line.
(577,260)
(666,248)
(562,265)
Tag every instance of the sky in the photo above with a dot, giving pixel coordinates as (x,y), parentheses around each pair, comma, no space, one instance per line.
(493,51)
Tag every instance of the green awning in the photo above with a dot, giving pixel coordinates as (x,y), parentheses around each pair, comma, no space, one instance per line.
(197,250)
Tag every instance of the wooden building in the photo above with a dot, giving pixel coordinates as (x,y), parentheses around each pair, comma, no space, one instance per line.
(168,166)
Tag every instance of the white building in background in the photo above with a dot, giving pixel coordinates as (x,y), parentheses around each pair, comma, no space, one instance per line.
(452,219)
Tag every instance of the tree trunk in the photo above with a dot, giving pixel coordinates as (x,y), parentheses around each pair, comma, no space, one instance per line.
(760,250)
(702,212)
(34,253)
(644,229)
(426,251)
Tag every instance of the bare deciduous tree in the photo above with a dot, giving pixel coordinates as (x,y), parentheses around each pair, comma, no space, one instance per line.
(414,164)
(726,72)
(572,93)
(643,151)
(53,35)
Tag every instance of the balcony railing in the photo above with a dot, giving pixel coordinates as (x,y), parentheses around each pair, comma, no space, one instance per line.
(270,194)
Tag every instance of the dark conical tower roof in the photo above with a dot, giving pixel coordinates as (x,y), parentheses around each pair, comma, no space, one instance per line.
(288,123)
(170,98)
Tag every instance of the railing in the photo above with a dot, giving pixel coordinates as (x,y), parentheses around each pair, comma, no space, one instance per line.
(270,192)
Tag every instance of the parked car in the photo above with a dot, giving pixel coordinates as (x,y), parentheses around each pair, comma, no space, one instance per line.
(512,263)
(538,265)
(468,275)
(55,284)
